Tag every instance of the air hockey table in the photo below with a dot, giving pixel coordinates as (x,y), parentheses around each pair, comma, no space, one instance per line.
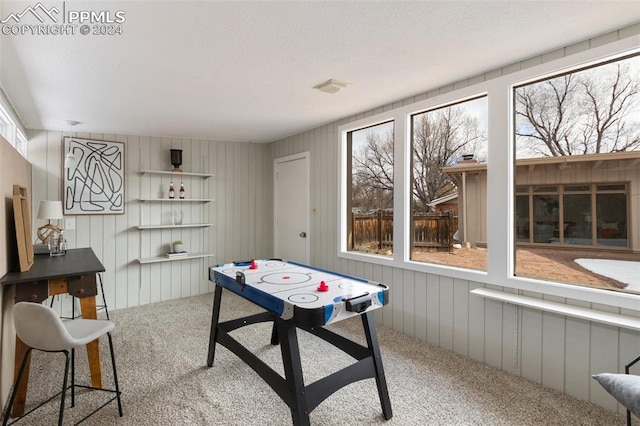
(300,296)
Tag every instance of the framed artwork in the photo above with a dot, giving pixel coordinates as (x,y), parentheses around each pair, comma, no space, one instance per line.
(93,173)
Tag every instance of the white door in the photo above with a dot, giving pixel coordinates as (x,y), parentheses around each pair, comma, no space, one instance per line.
(291,208)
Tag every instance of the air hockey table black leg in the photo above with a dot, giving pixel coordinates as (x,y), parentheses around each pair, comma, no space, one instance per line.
(293,371)
(381,381)
(215,316)
(274,334)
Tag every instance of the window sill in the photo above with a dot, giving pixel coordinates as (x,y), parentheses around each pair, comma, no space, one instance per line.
(618,320)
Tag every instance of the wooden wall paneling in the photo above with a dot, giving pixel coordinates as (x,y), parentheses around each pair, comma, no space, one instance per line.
(531,342)
(604,358)
(318,189)
(38,155)
(388,279)
(476,324)
(446,312)
(408,302)
(131,287)
(577,355)
(433,309)
(83,222)
(376,275)
(510,362)
(397,305)
(629,345)
(420,306)
(493,331)
(266,197)
(461,317)
(121,249)
(207,152)
(221,203)
(249,183)
(229,202)
(54,166)
(109,241)
(553,349)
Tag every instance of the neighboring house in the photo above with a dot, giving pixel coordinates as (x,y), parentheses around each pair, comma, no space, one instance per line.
(590,201)
(445,203)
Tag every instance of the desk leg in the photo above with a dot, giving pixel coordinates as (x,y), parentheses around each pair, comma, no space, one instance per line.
(381,382)
(21,394)
(293,371)
(88,311)
(215,316)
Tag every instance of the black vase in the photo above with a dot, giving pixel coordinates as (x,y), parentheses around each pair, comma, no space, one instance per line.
(176,159)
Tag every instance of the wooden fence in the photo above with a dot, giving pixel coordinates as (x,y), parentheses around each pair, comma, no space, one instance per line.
(430,230)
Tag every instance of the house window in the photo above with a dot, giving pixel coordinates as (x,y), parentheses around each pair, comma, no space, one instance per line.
(448,185)
(577,160)
(370,190)
(21,143)
(5,126)
(576,215)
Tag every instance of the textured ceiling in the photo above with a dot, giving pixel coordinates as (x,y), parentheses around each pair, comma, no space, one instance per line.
(244,71)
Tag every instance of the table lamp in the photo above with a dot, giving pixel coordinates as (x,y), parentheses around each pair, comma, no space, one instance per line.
(49,210)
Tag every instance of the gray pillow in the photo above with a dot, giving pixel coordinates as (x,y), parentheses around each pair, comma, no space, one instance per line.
(623,387)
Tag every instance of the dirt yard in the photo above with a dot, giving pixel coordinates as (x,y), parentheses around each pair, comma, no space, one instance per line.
(549,264)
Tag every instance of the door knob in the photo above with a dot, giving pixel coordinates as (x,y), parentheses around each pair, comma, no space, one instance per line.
(303,234)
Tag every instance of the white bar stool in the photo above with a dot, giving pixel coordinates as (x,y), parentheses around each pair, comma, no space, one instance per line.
(40,328)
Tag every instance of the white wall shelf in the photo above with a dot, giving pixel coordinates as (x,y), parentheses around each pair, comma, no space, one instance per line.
(160,232)
(618,320)
(176,200)
(159,259)
(160,172)
(190,225)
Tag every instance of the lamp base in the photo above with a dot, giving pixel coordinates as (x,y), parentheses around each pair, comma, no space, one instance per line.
(177,169)
(45,232)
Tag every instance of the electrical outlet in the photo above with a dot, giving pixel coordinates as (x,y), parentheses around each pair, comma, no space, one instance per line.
(70,223)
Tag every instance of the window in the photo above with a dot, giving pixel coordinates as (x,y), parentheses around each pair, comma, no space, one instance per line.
(577,159)
(547,208)
(370,191)
(10,128)
(21,143)
(6,126)
(448,185)
(583,215)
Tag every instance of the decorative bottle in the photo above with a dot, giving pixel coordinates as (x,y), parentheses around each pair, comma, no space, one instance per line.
(181,191)
(172,193)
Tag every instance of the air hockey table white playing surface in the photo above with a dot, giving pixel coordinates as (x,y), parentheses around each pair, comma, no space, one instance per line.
(289,289)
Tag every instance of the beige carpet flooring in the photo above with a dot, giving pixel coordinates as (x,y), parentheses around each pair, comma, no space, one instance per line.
(161,352)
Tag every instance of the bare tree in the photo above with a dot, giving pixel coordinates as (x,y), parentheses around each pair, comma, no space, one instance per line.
(440,138)
(580,113)
(373,172)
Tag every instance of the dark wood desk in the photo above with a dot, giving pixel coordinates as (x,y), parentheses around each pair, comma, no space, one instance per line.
(74,274)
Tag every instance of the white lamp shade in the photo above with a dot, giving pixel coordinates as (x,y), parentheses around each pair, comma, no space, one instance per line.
(70,161)
(50,210)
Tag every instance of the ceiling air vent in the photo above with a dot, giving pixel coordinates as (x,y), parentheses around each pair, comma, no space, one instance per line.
(332,86)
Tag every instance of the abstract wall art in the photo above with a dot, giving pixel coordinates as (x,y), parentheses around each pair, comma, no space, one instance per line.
(93,177)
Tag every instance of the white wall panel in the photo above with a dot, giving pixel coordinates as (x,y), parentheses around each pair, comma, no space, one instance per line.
(245,208)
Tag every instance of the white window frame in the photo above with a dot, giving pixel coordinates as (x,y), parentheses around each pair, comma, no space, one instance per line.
(500,180)
(14,133)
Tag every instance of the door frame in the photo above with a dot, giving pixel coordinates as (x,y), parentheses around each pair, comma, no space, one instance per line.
(305,198)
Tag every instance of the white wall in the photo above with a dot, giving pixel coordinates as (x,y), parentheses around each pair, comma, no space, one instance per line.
(559,352)
(242,227)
